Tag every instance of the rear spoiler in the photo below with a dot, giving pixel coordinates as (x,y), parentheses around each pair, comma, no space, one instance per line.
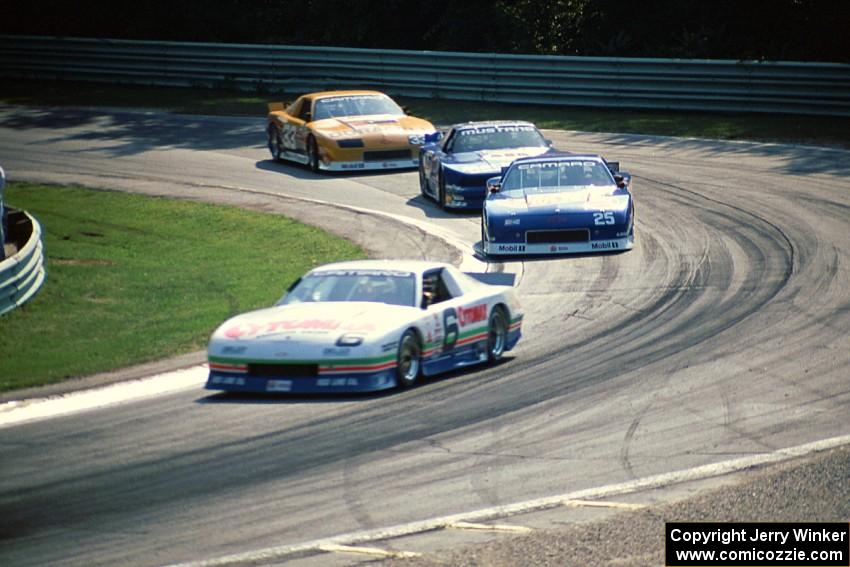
(493,278)
(275,106)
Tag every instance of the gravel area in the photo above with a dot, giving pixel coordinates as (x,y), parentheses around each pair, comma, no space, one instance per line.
(814,489)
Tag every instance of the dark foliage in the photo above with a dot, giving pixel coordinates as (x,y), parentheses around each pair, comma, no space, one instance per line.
(805,30)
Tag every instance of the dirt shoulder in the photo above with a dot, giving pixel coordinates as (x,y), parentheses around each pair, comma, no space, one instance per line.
(812,489)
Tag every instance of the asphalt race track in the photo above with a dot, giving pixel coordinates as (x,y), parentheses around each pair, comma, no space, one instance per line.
(723,334)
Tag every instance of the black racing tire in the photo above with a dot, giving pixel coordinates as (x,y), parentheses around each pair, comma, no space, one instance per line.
(423,181)
(312,154)
(409,360)
(497,334)
(275,143)
(441,190)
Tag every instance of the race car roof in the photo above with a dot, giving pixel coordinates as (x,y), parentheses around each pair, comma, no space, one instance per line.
(323,94)
(416,266)
(557,156)
(490,124)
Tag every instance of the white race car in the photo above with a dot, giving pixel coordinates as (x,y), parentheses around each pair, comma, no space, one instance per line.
(365,325)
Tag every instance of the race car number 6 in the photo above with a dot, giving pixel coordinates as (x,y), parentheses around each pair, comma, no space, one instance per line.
(452,330)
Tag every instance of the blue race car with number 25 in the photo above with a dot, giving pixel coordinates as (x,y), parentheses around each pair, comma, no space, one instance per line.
(559,203)
(454,170)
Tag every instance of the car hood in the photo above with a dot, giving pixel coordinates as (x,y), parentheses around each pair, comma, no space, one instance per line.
(373,125)
(579,199)
(315,323)
(484,161)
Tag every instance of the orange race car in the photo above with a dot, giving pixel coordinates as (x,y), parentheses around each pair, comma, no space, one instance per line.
(346,130)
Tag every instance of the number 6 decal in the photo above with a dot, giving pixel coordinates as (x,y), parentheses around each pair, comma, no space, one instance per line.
(452,330)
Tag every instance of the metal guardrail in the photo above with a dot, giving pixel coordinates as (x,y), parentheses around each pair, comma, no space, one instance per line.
(2,214)
(684,84)
(23,273)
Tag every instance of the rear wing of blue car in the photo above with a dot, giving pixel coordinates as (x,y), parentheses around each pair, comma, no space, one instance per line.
(493,278)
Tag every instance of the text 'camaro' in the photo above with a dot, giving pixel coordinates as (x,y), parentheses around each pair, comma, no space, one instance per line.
(366,325)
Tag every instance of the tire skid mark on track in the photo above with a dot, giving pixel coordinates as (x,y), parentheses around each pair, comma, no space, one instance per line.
(679,345)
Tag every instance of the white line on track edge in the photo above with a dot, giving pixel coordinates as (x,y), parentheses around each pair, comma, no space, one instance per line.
(39,409)
(650,482)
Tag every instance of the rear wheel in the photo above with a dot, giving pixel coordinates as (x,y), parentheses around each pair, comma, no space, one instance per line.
(497,337)
(275,143)
(408,360)
(312,154)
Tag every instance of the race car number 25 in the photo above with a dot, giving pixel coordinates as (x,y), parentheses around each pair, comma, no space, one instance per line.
(603,218)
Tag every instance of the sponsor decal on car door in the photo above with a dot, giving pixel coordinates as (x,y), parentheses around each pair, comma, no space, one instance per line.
(463,325)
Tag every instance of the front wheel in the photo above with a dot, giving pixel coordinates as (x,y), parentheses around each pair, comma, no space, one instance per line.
(423,181)
(275,143)
(312,154)
(408,360)
(497,337)
(441,191)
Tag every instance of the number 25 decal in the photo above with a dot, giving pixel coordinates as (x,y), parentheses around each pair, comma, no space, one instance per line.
(452,330)
(603,218)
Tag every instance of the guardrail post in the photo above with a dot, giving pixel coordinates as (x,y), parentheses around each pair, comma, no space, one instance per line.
(2,215)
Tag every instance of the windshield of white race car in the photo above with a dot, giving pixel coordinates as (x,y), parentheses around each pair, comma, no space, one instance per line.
(379,286)
(556,176)
(355,105)
(497,138)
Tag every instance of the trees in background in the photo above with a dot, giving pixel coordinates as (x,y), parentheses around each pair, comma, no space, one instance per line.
(808,30)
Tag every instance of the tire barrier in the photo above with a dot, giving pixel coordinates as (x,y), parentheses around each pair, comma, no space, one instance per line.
(21,274)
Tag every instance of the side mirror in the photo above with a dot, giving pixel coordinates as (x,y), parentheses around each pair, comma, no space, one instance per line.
(494,184)
(433,137)
(622,180)
(549,143)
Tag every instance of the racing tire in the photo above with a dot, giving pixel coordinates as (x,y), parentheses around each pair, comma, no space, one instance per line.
(312,154)
(441,190)
(275,143)
(408,360)
(423,181)
(497,335)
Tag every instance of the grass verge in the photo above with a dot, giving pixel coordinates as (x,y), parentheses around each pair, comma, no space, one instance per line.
(820,130)
(134,278)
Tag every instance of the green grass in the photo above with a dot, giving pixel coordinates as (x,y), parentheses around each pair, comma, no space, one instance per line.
(134,278)
(822,130)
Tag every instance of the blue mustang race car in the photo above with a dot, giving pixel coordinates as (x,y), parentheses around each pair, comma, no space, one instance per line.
(558,203)
(455,170)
